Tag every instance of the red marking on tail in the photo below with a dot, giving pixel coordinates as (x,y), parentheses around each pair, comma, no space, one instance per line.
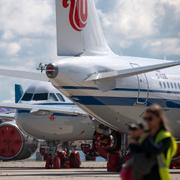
(78,13)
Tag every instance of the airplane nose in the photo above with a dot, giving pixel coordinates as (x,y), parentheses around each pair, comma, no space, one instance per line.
(51,71)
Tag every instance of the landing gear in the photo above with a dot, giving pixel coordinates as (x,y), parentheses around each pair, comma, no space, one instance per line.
(114,162)
(112,146)
(75,161)
(89,152)
(56,162)
(55,159)
(53,163)
(48,160)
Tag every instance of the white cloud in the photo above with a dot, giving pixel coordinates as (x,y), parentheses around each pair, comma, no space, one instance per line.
(25,17)
(131,24)
(11,48)
(134,18)
(7,35)
(164,47)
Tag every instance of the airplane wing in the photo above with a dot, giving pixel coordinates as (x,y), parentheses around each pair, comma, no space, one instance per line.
(9,116)
(94,77)
(41,109)
(23,74)
(131,71)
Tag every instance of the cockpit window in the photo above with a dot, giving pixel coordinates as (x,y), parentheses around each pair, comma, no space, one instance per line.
(40,97)
(60,97)
(27,97)
(52,97)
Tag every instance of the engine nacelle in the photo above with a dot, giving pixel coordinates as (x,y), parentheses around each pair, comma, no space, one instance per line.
(14,144)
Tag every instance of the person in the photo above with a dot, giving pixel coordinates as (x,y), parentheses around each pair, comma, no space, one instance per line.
(159,144)
(134,168)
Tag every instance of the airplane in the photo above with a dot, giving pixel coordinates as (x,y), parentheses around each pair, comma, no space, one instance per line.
(42,113)
(113,89)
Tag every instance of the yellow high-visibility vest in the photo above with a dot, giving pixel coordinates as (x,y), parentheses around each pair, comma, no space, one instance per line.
(164,161)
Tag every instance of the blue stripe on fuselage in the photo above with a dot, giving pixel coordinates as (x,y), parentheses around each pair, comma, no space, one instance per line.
(123,101)
(62,104)
(121,89)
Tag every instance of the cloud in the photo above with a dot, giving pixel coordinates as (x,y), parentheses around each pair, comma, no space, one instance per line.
(13,48)
(10,48)
(134,19)
(27,31)
(7,35)
(25,17)
(131,25)
(164,47)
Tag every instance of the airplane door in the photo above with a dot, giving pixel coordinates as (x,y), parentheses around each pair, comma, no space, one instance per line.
(143,86)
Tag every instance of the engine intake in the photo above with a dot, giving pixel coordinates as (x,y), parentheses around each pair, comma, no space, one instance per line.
(14,144)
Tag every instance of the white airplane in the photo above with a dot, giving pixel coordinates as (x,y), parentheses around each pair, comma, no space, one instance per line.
(113,89)
(45,114)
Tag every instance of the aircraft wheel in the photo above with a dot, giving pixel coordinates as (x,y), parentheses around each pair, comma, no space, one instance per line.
(48,162)
(75,161)
(113,162)
(90,157)
(57,162)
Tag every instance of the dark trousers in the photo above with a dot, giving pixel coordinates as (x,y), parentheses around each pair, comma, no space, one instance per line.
(153,175)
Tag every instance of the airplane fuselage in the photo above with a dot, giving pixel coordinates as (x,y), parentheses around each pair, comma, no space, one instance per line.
(56,126)
(118,101)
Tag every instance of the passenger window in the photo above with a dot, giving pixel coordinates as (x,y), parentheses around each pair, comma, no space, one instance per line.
(27,97)
(175,85)
(179,85)
(164,84)
(172,85)
(40,97)
(168,85)
(52,97)
(160,84)
(60,97)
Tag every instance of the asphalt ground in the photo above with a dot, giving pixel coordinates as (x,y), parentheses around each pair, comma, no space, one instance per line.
(32,170)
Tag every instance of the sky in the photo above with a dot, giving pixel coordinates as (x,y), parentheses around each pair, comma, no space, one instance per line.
(132,27)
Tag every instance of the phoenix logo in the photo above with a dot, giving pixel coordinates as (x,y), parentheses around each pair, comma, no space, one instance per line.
(78,13)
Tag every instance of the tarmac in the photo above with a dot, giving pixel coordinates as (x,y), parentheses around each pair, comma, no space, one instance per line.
(32,170)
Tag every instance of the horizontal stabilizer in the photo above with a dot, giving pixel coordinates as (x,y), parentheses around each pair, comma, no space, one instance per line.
(131,72)
(23,74)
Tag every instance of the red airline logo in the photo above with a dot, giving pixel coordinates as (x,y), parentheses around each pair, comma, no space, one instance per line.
(78,13)
(52,117)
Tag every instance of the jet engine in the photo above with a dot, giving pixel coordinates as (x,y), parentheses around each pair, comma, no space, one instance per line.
(14,144)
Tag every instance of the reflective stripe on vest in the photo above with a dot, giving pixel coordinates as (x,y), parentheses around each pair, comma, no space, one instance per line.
(165,160)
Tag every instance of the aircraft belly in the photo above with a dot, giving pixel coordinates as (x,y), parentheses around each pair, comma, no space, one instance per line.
(117,116)
(56,127)
(118,107)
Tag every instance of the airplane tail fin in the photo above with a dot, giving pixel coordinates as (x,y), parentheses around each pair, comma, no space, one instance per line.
(78,29)
(18,92)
